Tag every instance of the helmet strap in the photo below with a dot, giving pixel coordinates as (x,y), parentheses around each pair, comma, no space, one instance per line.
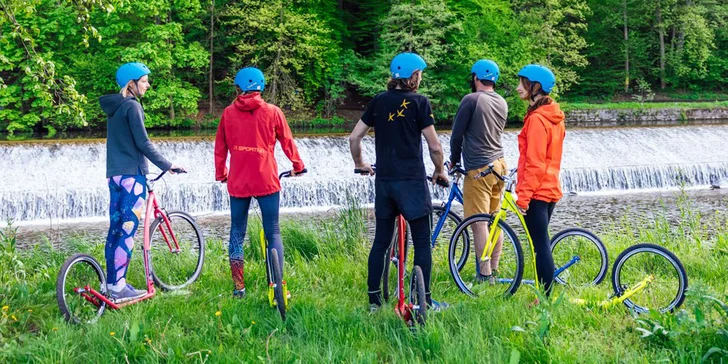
(135,92)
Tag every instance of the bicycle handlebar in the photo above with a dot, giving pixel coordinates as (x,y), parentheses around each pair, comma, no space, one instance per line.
(175,170)
(491,169)
(456,169)
(290,173)
(440,182)
(374,168)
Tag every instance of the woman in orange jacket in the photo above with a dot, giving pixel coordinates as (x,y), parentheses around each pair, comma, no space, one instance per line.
(540,144)
(248,131)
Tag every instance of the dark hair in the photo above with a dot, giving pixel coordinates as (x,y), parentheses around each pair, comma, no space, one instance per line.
(534,89)
(408,84)
(485,83)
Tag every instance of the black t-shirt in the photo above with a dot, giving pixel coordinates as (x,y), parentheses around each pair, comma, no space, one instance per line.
(398,118)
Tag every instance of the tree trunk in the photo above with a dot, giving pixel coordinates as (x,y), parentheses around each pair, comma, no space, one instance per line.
(412,31)
(212,40)
(276,62)
(661,30)
(171,108)
(626,49)
(681,34)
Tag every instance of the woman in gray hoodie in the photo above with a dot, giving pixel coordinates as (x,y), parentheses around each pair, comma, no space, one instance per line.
(127,150)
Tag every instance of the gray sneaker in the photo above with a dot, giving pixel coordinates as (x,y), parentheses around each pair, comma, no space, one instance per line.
(373,307)
(239,293)
(127,293)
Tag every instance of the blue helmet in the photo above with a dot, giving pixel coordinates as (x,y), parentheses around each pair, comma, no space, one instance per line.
(405,64)
(486,70)
(540,74)
(250,79)
(131,72)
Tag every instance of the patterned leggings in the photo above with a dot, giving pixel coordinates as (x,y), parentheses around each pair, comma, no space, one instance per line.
(127,193)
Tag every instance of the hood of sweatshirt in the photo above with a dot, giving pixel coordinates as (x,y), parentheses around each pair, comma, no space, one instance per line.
(249,102)
(110,103)
(551,112)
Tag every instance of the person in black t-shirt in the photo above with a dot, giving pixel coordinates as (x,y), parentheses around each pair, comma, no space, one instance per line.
(400,117)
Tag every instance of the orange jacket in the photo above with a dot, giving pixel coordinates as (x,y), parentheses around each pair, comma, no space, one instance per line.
(540,144)
(249,129)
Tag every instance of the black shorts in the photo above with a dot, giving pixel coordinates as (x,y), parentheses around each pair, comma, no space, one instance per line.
(410,198)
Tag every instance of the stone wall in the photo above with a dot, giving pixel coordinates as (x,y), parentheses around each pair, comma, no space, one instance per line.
(621,117)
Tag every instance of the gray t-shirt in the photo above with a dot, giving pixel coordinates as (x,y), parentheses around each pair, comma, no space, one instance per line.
(477,129)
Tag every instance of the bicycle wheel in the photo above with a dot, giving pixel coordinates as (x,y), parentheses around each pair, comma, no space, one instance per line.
(439,253)
(580,258)
(278,282)
(389,276)
(174,268)
(665,293)
(508,271)
(418,298)
(77,272)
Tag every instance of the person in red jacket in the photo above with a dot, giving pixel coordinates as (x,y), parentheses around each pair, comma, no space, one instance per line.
(248,131)
(540,144)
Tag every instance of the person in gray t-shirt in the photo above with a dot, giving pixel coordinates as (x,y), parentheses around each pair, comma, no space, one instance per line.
(476,134)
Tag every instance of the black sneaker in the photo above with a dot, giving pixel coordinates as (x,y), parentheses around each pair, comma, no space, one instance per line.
(239,293)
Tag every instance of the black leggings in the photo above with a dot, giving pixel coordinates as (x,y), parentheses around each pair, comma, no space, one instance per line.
(420,230)
(537,221)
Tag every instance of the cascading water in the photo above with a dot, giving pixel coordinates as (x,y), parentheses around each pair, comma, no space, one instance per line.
(63,180)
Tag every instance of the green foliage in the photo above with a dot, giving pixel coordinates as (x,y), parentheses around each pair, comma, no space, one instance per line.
(58,57)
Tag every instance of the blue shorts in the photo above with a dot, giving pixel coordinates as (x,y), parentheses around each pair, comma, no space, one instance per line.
(410,198)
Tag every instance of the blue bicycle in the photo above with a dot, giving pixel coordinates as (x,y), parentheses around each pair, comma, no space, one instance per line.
(445,222)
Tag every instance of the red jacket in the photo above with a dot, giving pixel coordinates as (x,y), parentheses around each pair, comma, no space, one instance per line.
(249,129)
(540,144)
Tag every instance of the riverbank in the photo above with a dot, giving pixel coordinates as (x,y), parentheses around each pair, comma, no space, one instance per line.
(578,114)
(645,114)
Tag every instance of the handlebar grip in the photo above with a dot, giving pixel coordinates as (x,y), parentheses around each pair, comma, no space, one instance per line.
(486,172)
(440,182)
(364,171)
(178,170)
(289,173)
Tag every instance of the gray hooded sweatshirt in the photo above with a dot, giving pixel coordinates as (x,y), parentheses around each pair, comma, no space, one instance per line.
(127,144)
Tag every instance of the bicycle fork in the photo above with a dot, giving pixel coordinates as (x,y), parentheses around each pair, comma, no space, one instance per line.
(269,275)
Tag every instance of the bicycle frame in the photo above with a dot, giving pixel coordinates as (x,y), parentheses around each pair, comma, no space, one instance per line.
(508,204)
(268,267)
(269,274)
(619,299)
(455,194)
(153,211)
(402,308)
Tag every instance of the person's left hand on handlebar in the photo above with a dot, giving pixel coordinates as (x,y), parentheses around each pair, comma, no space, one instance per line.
(177,169)
(297,174)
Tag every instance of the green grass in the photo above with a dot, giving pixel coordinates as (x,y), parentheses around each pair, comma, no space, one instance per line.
(569,106)
(329,319)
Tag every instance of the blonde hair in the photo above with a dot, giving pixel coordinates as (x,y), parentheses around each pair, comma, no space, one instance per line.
(125,91)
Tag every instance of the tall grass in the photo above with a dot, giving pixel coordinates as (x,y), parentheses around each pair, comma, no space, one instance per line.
(329,320)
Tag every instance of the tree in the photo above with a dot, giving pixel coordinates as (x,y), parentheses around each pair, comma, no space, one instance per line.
(284,42)
(35,92)
(556,29)
(411,26)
